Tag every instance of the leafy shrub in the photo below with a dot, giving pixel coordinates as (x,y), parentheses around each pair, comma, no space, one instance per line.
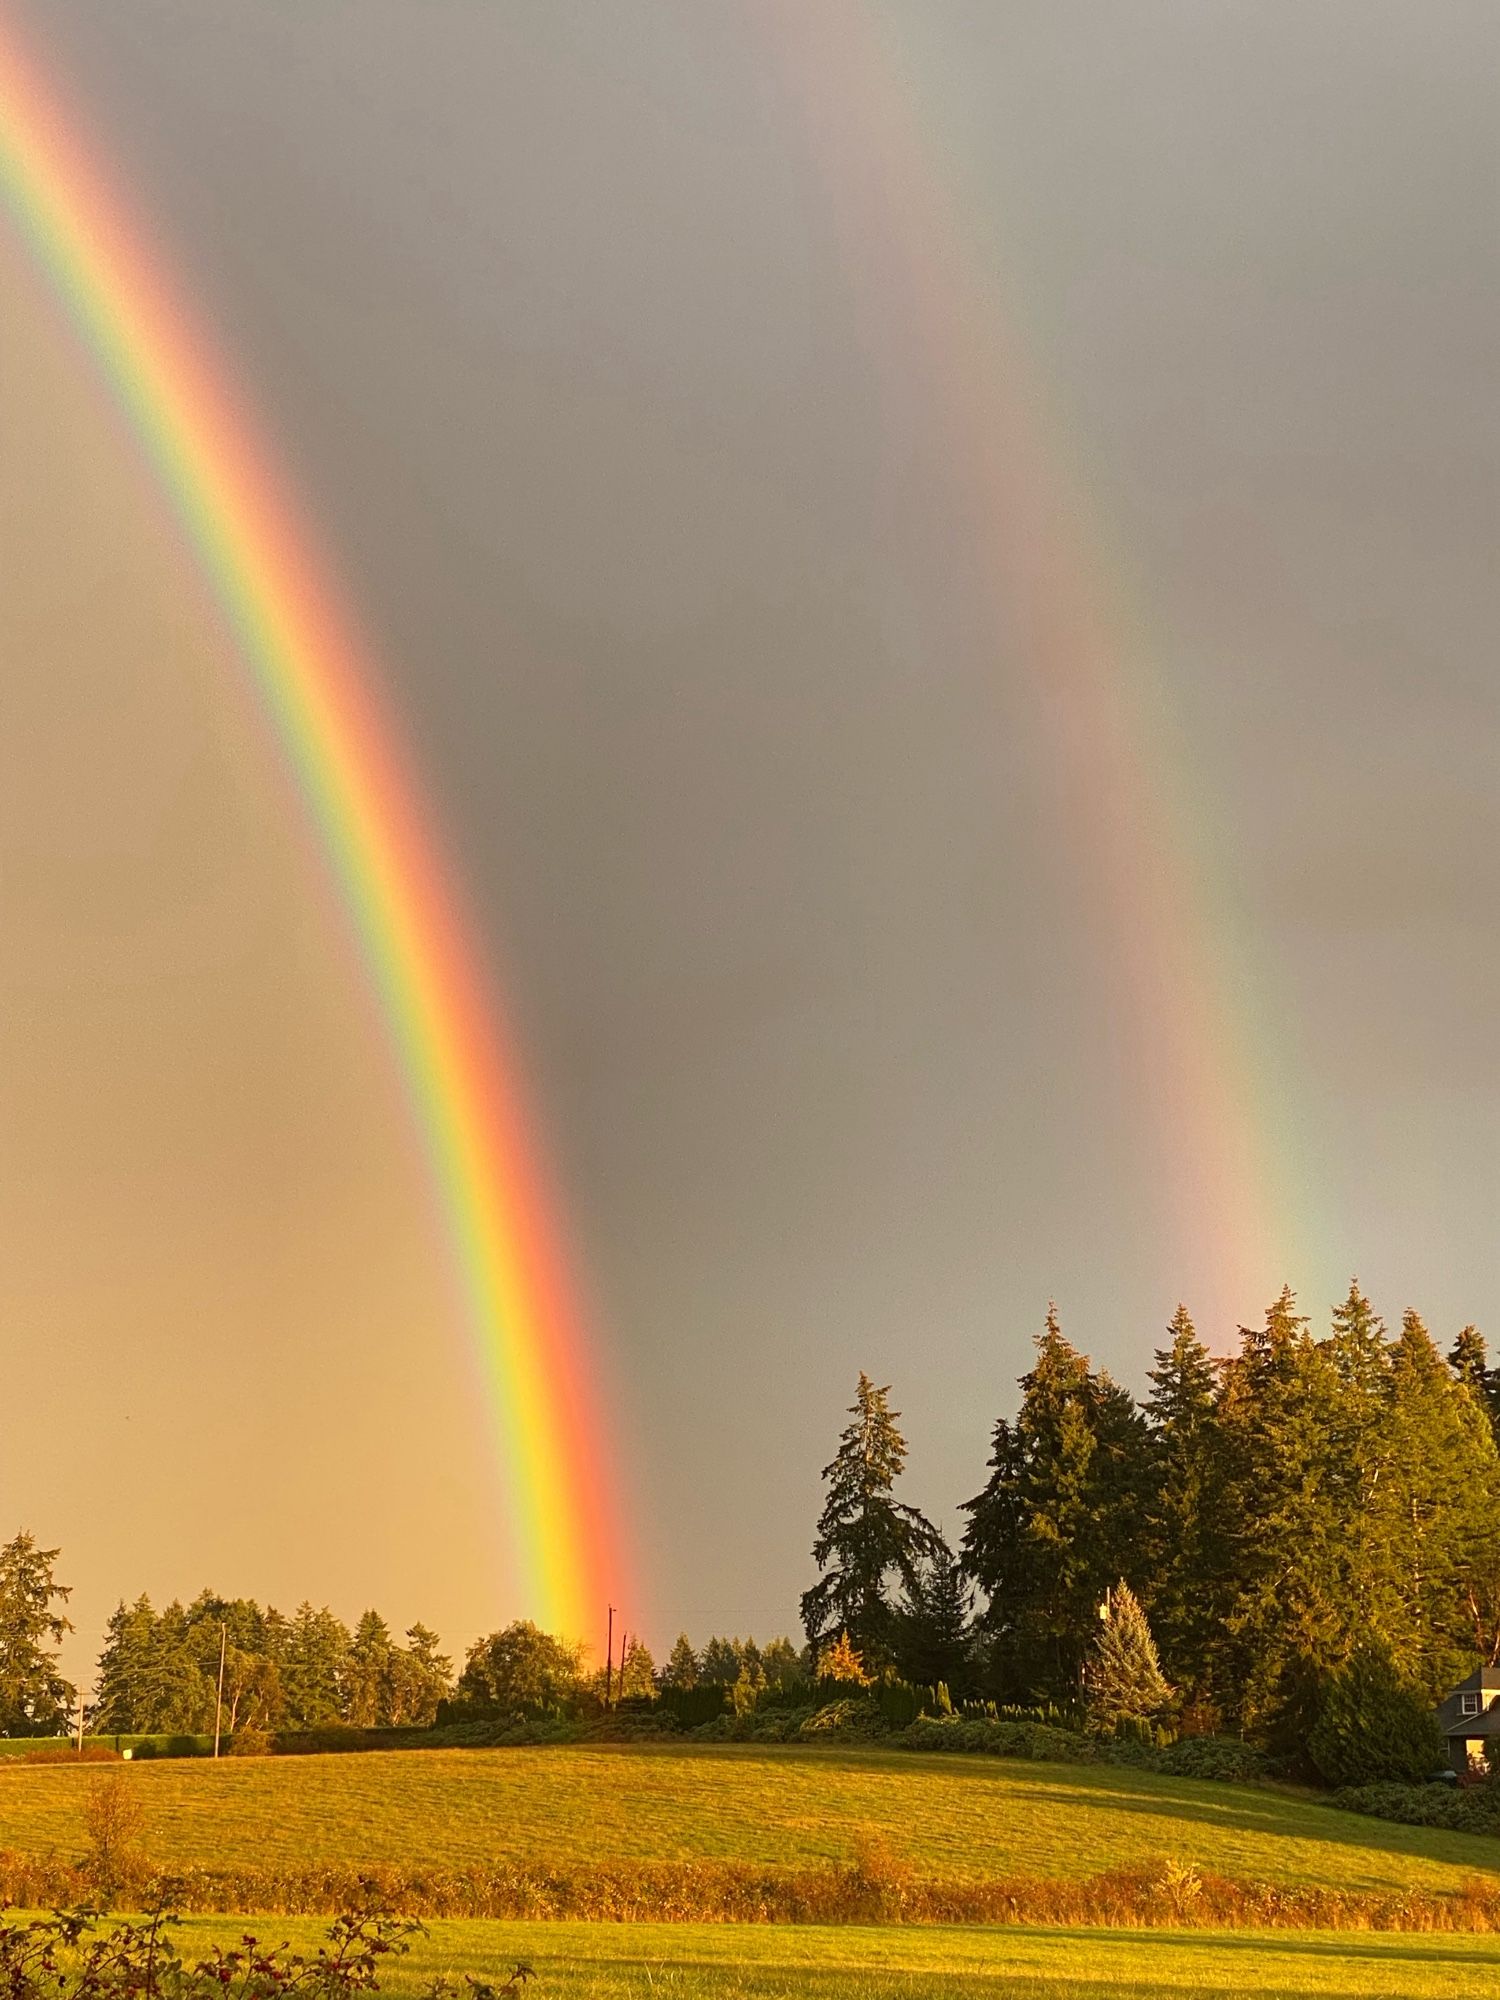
(66,1957)
(1475,1810)
(1221,1757)
(851,1715)
(1374,1725)
(1033,1740)
(249,1742)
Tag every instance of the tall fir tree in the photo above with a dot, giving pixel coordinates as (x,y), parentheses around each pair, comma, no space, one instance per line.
(313,1666)
(1358,1445)
(35,1699)
(123,1680)
(1469,1359)
(681,1670)
(867,1540)
(365,1684)
(1288,1620)
(1186,1581)
(1435,1512)
(420,1676)
(1057,1521)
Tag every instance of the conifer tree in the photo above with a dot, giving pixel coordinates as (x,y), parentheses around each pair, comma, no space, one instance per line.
(681,1670)
(313,1667)
(1289,1619)
(935,1615)
(721,1662)
(34,1697)
(1359,1448)
(1058,1519)
(1374,1724)
(1122,1676)
(122,1683)
(420,1676)
(178,1695)
(1469,1359)
(866,1537)
(782,1664)
(1436,1511)
(365,1681)
(637,1672)
(1186,1575)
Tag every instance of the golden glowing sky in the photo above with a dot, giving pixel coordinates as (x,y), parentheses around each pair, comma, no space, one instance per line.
(224,1315)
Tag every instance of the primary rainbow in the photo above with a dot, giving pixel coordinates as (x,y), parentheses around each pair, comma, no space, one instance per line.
(317,690)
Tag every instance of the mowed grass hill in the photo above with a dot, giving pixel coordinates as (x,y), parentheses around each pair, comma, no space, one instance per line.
(574,1961)
(773,1807)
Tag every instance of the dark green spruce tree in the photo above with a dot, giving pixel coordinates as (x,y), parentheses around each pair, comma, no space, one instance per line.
(35,1700)
(867,1541)
(1058,1520)
(935,1623)
(1186,1581)
(1289,1620)
(123,1682)
(1469,1359)
(1359,1446)
(1435,1513)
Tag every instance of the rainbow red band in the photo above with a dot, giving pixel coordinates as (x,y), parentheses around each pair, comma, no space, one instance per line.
(317,691)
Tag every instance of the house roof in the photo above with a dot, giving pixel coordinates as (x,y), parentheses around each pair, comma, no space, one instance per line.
(1486,1724)
(1483,1682)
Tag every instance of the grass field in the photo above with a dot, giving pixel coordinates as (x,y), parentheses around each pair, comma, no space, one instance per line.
(729,1962)
(783,1807)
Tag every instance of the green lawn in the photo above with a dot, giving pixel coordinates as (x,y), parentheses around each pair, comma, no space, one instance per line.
(946,1814)
(786,1962)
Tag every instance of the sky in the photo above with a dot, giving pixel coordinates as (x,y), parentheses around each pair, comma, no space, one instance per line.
(690,398)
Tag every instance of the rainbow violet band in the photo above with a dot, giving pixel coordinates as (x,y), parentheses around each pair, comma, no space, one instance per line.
(316,689)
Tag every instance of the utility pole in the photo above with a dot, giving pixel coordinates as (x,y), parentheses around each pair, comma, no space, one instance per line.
(80,1721)
(609,1656)
(219,1702)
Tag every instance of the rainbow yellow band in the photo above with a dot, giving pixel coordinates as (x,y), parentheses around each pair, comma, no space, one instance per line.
(318,694)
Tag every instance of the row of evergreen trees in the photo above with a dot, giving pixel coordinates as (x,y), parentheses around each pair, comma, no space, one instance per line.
(1274,1511)
(159,1670)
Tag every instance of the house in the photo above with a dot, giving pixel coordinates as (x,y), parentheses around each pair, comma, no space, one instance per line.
(1470,1718)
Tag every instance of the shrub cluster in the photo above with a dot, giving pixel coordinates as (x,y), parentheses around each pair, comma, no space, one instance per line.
(1223,1757)
(1035,1741)
(1472,1809)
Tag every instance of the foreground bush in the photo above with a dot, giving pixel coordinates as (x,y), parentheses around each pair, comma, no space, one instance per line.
(873,1888)
(70,1956)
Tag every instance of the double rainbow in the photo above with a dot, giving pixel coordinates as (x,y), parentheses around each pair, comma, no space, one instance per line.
(317,690)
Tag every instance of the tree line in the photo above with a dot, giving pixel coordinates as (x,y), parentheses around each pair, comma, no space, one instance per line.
(1251,1526)
(160,1670)
(1274,1512)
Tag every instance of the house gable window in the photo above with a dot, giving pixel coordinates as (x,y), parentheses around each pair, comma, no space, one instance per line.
(1468,1704)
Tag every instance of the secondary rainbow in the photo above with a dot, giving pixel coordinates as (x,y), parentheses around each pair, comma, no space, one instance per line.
(1129,803)
(315,684)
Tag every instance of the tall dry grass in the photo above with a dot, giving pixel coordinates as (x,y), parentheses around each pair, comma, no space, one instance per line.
(874,1888)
